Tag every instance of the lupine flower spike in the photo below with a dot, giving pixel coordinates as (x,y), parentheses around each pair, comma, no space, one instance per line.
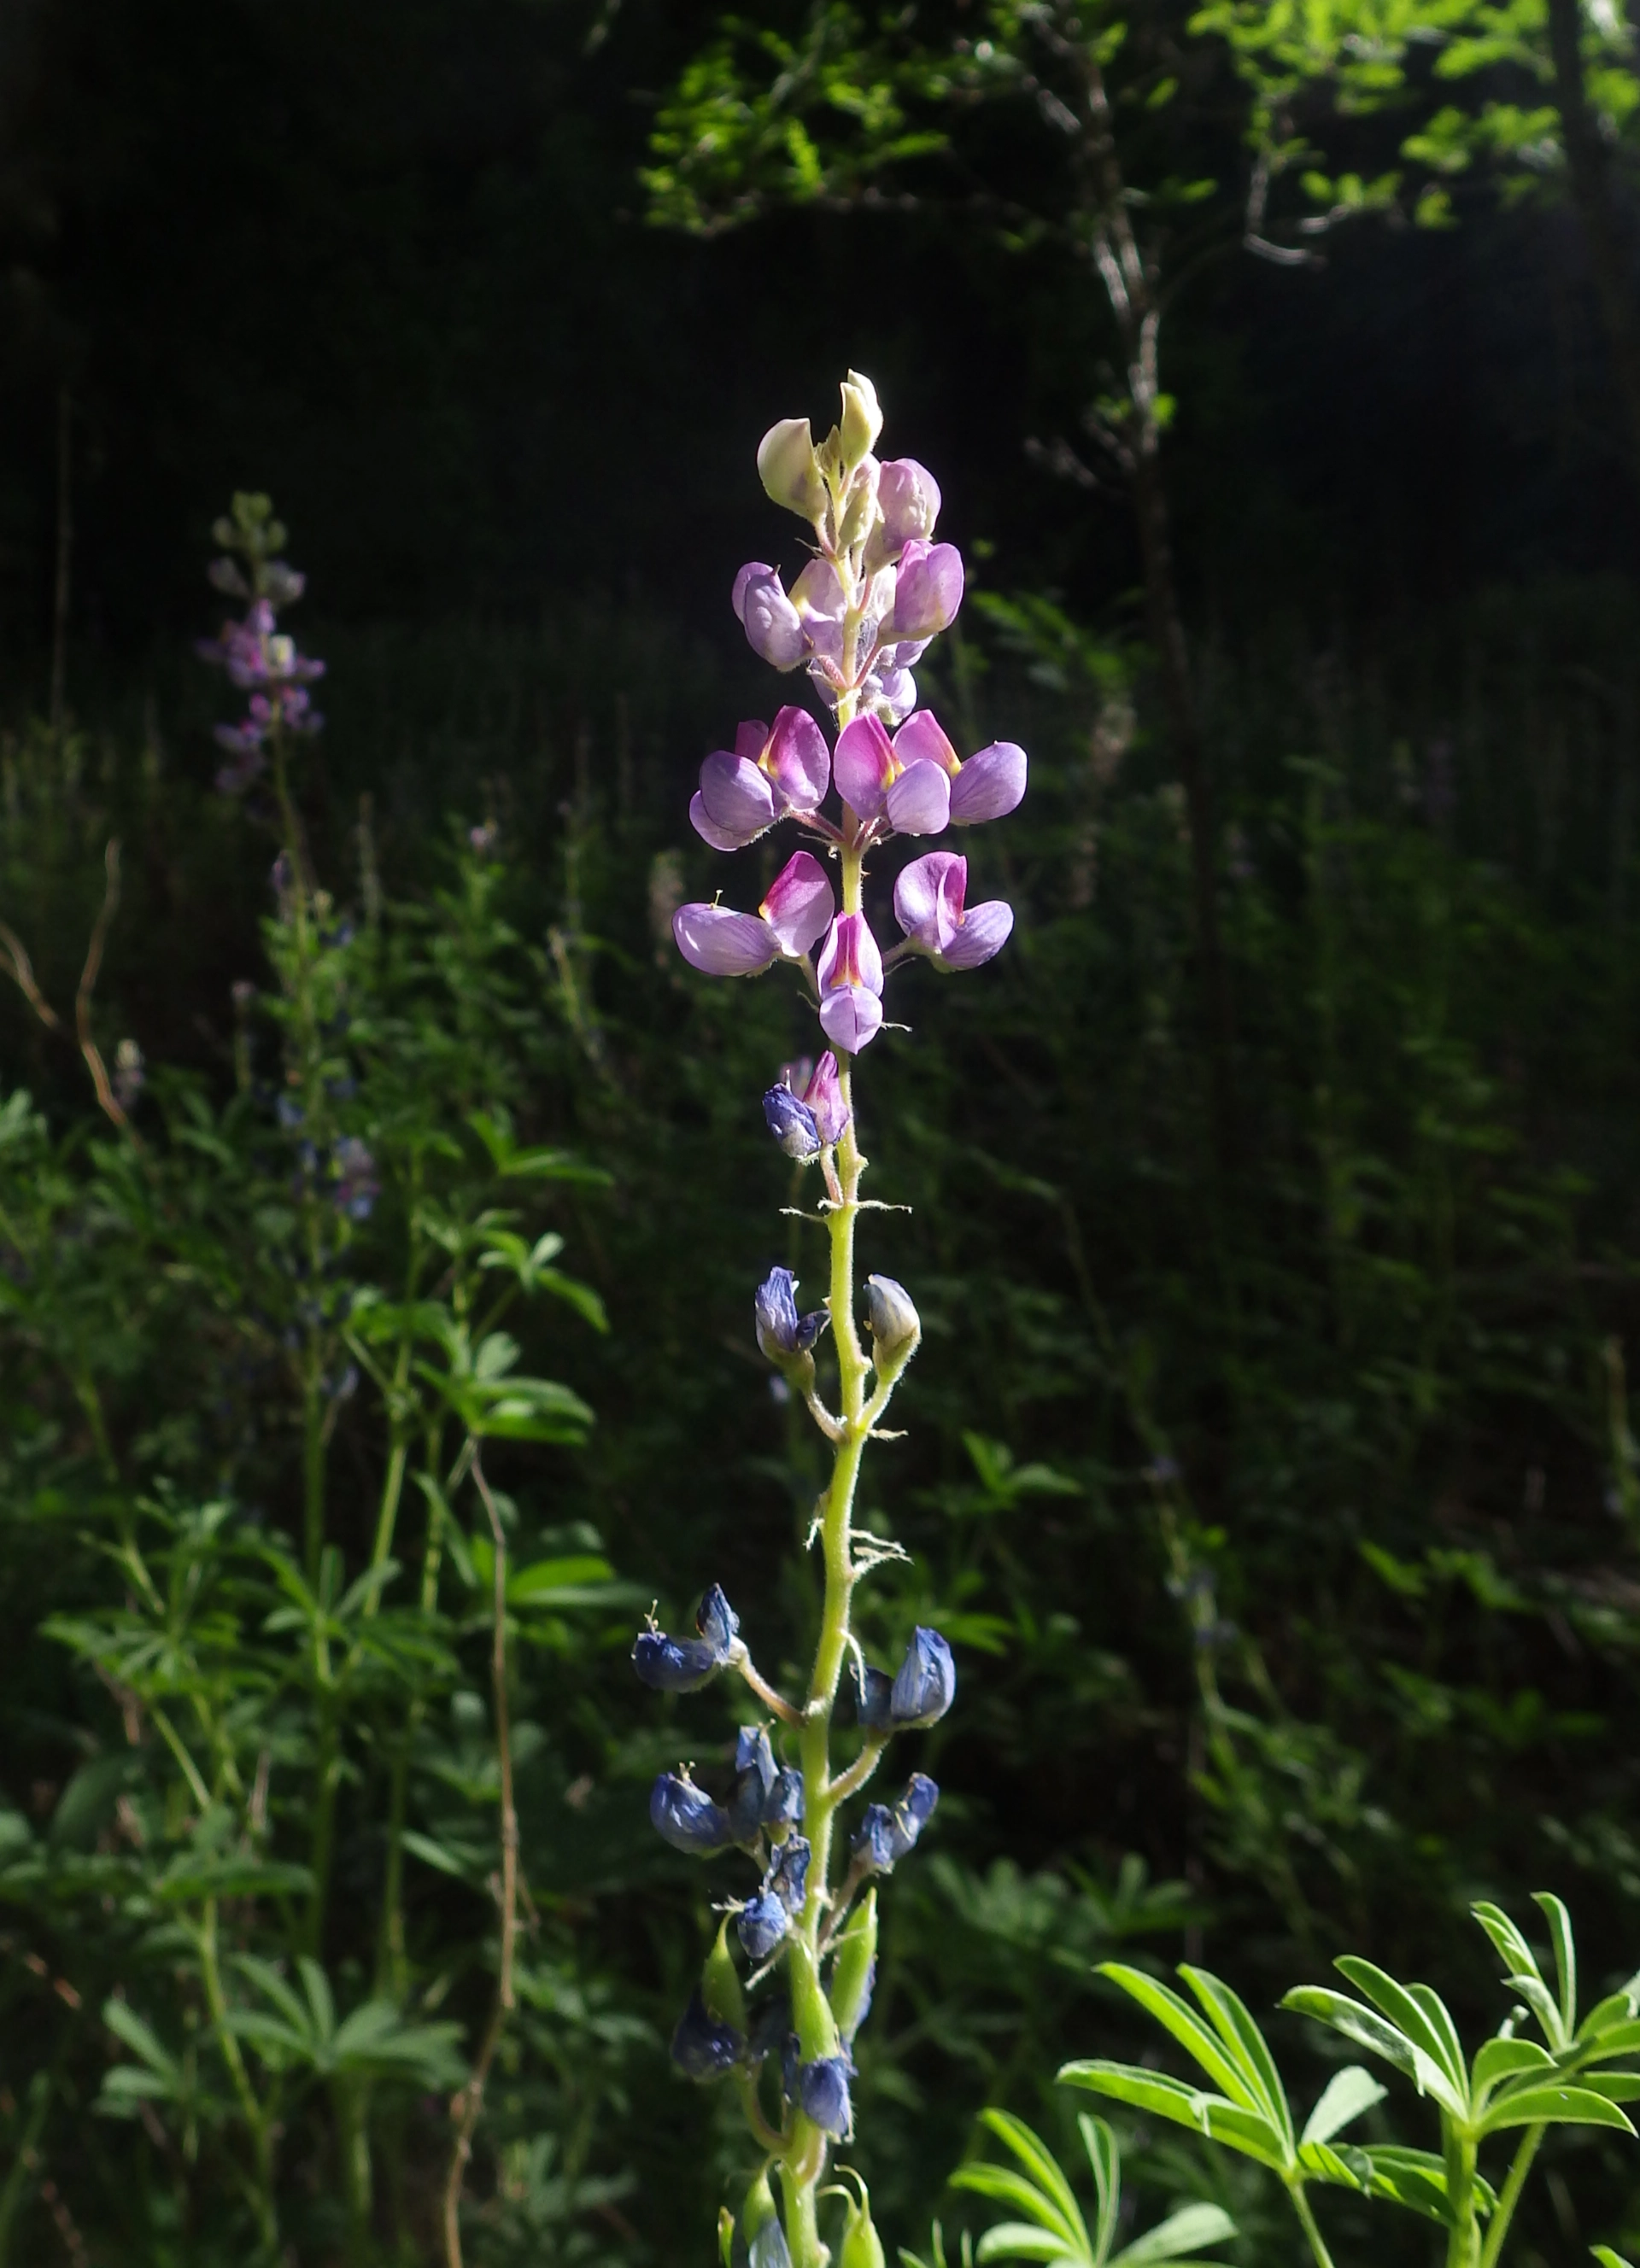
(876,588)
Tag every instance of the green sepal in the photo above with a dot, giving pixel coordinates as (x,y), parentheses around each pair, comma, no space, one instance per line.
(721,1984)
(852,1965)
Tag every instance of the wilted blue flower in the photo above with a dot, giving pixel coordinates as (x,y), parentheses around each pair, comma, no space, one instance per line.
(685,1816)
(678,1665)
(823,2093)
(791,1123)
(754,1776)
(888,1832)
(788,1874)
(763,1921)
(702,2045)
(782,1333)
(871,1691)
(783,1806)
(926,1685)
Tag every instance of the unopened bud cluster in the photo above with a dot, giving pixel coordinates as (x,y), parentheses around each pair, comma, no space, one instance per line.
(789,1982)
(258,656)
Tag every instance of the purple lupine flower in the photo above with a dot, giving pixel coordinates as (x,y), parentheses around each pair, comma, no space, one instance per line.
(754,1776)
(789,1873)
(793,916)
(928,905)
(888,1832)
(782,1333)
(823,1095)
(908,497)
(850,974)
(783,1806)
(924,1685)
(877,780)
(702,2045)
(685,1816)
(792,1124)
(823,2093)
(895,1326)
(770,772)
(820,605)
(774,629)
(927,590)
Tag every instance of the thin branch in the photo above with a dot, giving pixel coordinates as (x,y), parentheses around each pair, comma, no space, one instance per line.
(469,2102)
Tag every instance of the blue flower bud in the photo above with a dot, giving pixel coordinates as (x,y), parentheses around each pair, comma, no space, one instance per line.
(874,1839)
(822,2092)
(678,1665)
(783,1806)
(788,1874)
(871,1690)
(784,1334)
(926,1685)
(702,2046)
(887,1833)
(754,1776)
(685,1816)
(763,1921)
(792,1124)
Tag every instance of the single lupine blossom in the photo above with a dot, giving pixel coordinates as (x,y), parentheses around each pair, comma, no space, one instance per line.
(875,588)
(928,905)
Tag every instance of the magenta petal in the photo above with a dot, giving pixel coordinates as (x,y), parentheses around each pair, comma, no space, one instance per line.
(863,765)
(823,1095)
(928,899)
(750,740)
(851,1018)
(850,956)
(928,592)
(919,801)
(800,906)
(716,835)
(922,735)
(986,930)
(739,798)
(989,785)
(799,760)
(721,943)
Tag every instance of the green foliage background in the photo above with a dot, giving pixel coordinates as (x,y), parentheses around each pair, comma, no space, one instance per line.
(1285,1518)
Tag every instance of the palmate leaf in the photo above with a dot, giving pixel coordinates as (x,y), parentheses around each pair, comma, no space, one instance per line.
(1054,2230)
(1375,2032)
(1554,2106)
(1248,2132)
(1413,2178)
(1247,2075)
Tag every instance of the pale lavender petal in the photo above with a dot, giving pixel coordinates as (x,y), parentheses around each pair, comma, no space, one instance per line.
(928,899)
(986,930)
(738,798)
(851,1018)
(863,765)
(908,495)
(817,593)
(799,760)
(989,785)
(773,627)
(919,801)
(755,571)
(894,691)
(800,906)
(724,944)
(922,735)
(928,592)
(716,835)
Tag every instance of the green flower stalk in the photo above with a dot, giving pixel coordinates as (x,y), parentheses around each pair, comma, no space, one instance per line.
(779,2018)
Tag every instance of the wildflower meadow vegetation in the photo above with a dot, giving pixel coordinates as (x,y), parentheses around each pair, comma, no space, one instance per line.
(837,1468)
